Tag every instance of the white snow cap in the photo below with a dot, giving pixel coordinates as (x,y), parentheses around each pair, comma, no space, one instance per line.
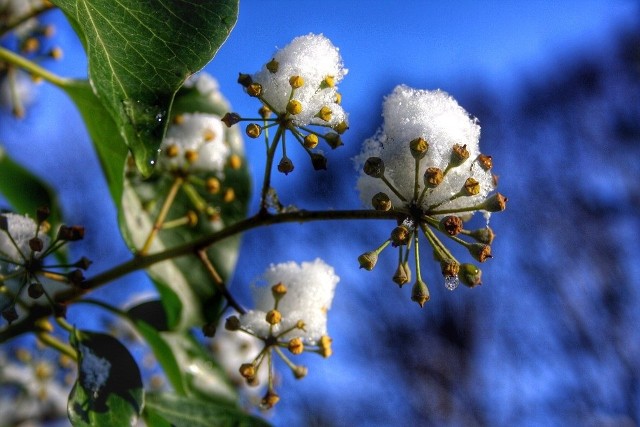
(310,290)
(435,116)
(22,229)
(312,57)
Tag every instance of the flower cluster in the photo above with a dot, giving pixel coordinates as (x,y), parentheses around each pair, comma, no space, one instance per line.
(290,313)
(30,38)
(299,87)
(24,245)
(425,163)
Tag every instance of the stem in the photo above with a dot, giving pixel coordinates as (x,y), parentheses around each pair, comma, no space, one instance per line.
(202,254)
(416,181)
(266,182)
(162,215)
(34,69)
(392,188)
(51,341)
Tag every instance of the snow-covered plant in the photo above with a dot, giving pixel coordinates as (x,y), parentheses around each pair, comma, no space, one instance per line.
(172,154)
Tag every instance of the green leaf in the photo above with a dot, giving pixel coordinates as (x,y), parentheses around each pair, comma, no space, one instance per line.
(104,132)
(186,412)
(141,52)
(25,191)
(186,288)
(108,391)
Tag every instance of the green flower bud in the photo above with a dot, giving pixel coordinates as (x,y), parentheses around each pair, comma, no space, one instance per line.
(400,277)
(480,251)
(285,166)
(368,260)
(470,275)
(374,167)
(495,203)
(273,66)
(333,139)
(483,235)
(420,292)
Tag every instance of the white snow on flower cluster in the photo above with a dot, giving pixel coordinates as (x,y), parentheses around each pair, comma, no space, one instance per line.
(203,133)
(22,229)
(312,57)
(231,350)
(95,369)
(310,290)
(435,116)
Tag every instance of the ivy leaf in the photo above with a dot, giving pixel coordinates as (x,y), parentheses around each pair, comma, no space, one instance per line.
(108,391)
(25,191)
(188,412)
(141,52)
(185,286)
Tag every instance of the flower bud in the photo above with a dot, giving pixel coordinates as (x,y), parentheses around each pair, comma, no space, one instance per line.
(229,195)
(273,317)
(451,225)
(245,79)
(338,98)
(495,203)
(231,119)
(10,314)
(400,276)
(247,370)
(324,113)
(368,260)
(420,292)
(333,139)
(36,244)
(325,346)
(212,185)
(471,187)
(341,127)
(270,399)
(83,263)
(327,82)
(459,154)
(273,66)
(172,151)
(232,323)
(400,235)
(70,234)
(278,290)
(483,235)
(374,167)
(254,90)
(470,275)
(209,329)
(295,345)
(285,166)
(381,202)
(479,251)
(191,156)
(235,161)
(449,267)
(253,130)
(265,112)
(418,147)
(294,107)
(318,161)
(486,162)
(35,290)
(299,372)
(433,177)
(311,141)
(42,214)
(296,82)
(4,224)
(76,277)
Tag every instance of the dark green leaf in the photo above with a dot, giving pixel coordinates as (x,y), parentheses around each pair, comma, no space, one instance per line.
(141,52)
(25,191)
(108,391)
(186,412)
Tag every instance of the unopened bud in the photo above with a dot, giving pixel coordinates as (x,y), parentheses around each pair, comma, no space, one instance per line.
(278,290)
(433,177)
(294,107)
(299,372)
(235,161)
(209,329)
(35,290)
(231,119)
(295,345)
(172,151)
(245,79)
(324,113)
(247,370)
(400,276)
(296,82)
(470,275)
(483,235)
(341,127)
(265,112)
(368,260)
(451,225)
(459,154)
(495,203)
(191,156)
(285,166)
(36,244)
(254,90)
(418,147)
(273,317)
(253,130)
(400,235)
(70,234)
(76,277)
(10,314)
(273,66)
(471,187)
(374,167)
(270,400)
(328,81)
(420,292)
(212,185)
(449,267)
(325,346)
(83,263)
(486,162)
(232,323)
(333,139)
(311,141)
(43,213)
(4,224)
(480,251)
(381,202)
(318,161)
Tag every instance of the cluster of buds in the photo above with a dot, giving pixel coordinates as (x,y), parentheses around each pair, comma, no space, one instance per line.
(298,92)
(289,317)
(198,160)
(24,245)
(29,38)
(425,165)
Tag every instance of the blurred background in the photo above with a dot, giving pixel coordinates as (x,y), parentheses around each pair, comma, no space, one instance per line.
(552,336)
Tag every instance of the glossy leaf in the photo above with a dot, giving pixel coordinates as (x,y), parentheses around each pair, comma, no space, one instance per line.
(185,412)
(186,288)
(108,391)
(25,191)
(141,52)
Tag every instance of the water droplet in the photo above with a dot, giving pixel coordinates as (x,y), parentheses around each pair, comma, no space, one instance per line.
(487,217)
(451,282)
